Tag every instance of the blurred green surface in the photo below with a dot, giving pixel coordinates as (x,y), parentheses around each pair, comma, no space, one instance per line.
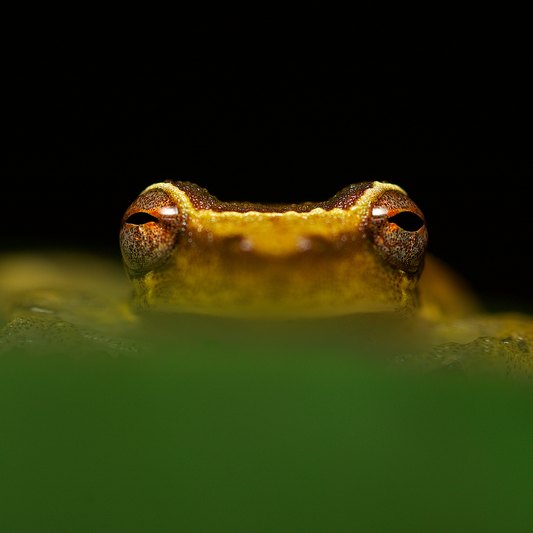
(211,439)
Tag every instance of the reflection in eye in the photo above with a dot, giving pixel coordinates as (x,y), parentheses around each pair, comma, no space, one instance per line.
(380,212)
(168,211)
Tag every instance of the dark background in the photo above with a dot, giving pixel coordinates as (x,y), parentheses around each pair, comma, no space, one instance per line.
(82,147)
(214,437)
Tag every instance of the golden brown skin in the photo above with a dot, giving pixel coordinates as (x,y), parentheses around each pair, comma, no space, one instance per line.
(359,254)
(247,260)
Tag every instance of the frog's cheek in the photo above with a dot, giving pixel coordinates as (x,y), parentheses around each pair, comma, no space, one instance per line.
(149,231)
(399,230)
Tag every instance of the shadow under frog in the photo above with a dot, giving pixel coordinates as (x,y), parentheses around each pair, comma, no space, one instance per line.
(345,277)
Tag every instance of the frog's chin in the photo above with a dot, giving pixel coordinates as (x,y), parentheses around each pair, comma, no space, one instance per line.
(283,312)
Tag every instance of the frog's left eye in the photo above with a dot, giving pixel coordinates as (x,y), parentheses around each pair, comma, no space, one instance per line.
(149,231)
(399,230)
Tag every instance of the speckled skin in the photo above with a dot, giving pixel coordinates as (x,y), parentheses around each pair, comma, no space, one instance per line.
(244,259)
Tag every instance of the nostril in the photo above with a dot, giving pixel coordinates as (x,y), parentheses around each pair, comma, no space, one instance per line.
(407,221)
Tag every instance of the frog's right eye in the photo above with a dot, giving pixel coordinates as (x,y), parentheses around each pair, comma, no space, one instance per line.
(399,230)
(149,231)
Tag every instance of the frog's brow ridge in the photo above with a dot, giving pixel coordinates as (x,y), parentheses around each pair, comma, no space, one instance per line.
(201,199)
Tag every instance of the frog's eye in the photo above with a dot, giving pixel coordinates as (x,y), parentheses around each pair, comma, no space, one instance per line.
(148,231)
(399,231)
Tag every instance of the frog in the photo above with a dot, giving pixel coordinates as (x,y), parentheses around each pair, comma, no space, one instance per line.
(355,264)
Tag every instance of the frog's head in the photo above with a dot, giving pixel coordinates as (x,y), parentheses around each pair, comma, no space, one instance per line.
(361,251)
